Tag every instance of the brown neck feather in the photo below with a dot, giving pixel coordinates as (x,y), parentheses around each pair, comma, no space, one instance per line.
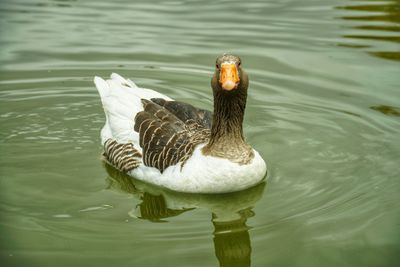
(228,117)
(227,138)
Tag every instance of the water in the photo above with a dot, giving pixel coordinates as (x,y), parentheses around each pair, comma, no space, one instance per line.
(323,110)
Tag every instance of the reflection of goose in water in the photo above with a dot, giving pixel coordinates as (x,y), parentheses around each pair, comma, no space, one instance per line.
(229,212)
(232,240)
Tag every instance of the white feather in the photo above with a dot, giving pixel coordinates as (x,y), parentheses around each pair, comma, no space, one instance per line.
(205,174)
(121,101)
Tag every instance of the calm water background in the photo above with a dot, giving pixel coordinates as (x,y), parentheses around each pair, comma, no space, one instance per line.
(323,110)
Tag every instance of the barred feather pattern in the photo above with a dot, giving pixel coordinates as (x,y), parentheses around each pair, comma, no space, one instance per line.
(122,156)
(186,112)
(165,139)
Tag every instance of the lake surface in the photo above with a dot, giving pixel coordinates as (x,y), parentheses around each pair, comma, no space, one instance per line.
(323,110)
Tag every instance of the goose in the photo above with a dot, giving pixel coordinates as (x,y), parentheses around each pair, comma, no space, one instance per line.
(175,145)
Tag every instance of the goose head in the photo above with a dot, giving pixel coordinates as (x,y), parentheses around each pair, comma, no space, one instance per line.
(229,76)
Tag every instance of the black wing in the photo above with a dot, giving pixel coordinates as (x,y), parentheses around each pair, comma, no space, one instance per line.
(167,138)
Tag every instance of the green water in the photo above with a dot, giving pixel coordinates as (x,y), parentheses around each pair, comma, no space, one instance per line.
(323,110)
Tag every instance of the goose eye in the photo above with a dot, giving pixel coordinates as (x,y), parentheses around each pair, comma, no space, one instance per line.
(217,66)
(239,63)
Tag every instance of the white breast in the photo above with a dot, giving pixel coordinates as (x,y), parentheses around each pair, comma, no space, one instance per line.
(205,174)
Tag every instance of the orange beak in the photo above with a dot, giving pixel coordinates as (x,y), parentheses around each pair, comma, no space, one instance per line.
(228,76)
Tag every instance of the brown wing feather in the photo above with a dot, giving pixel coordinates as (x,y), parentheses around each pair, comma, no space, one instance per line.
(165,139)
(186,112)
(124,157)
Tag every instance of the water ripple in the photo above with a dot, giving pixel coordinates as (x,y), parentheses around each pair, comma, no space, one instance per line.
(322,110)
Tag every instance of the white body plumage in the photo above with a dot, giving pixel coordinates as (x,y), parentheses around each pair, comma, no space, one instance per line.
(121,100)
